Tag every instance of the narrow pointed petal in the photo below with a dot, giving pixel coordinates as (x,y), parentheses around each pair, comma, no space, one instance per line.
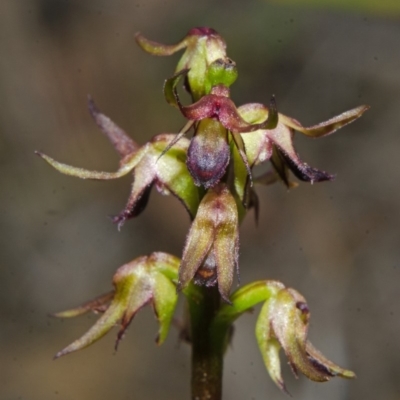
(170,92)
(239,143)
(227,259)
(117,136)
(240,177)
(253,202)
(226,244)
(142,293)
(128,164)
(158,49)
(177,137)
(92,305)
(124,284)
(103,325)
(327,127)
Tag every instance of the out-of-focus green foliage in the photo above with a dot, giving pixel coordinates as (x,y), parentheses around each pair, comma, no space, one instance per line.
(383,7)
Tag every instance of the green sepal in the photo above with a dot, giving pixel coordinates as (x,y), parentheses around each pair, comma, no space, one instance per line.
(173,172)
(96,305)
(269,346)
(220,72)
(240,179)
(170,88)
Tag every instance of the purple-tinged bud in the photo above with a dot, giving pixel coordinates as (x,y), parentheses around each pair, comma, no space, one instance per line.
(208,154)
(211,250)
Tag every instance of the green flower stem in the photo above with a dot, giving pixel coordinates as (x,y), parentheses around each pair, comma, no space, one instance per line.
(211,325)
(244,299)
(207,346)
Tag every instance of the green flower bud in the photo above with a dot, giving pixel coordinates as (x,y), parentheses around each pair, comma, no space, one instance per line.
(202,47)
(220,72)
(145,280)
(283,323)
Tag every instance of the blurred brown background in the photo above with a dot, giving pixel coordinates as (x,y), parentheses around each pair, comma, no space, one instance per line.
(337,243)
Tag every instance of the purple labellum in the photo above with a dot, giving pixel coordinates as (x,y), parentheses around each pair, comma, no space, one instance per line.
(208,155)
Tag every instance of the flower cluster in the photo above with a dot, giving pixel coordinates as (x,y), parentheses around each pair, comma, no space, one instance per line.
(212,175)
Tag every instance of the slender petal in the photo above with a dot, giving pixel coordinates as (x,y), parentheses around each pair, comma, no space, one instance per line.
(170,84)
(117,136)
(327,127)
(158,49)
(227,252)
(127,165)
(103,325)
(198,243)
(93,305)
